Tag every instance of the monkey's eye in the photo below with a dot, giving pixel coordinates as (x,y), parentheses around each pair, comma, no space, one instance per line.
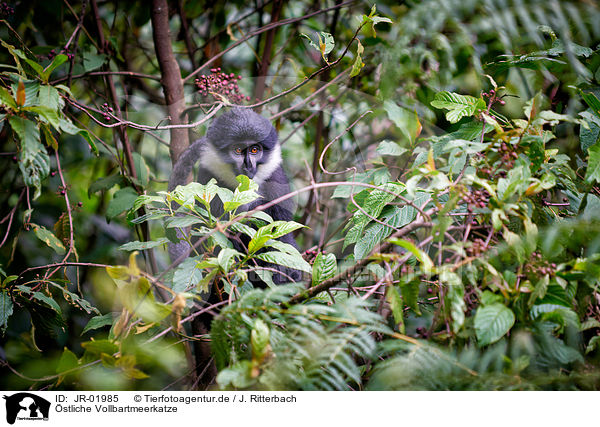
(254,149)
(237,150)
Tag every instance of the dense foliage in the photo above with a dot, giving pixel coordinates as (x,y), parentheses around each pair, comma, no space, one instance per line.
(446,161)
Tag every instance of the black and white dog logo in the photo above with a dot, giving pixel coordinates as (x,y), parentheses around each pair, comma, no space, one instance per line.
(26,406)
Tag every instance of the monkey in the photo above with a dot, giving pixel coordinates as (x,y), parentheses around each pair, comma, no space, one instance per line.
(239,142)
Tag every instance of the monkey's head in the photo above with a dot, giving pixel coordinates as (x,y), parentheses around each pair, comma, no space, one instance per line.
(245,140)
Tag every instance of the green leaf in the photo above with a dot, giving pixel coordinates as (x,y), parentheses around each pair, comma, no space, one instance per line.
(459,106)
(286,260)
(7,99)
(46,114)
(406,121)
(67,361)
(34,162)
(56,62)
(271,231)
(592,174)
(6,309)
(325,43)
(259,340)
(142,170)
(373,20)
(418,253)
(243,194)
(492,322)
(98,322)
(397,306)
(390,148)
(122,201)
(105,183)
(30,88)
(182,221)
(358,64)
(47,300)
(136,246)
(91,60)
(71,129)
(187,275)
(410,295)
(49,238)
(97,347)
(226,258)
(591,135)
(324,267)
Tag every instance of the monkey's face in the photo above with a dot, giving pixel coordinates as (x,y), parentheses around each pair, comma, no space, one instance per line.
(245,157)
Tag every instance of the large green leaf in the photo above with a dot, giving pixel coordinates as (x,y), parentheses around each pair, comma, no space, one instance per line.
(459,106)
(6,309)
(492,322)
(324,267)
(286,260)
(97,322)
(33,158)
(49,238)
(122,201)
(592,173)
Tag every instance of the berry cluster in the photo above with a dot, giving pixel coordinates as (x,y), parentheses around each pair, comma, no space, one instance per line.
(64,51)
(221,83)
(476,199)
(539,267)
(508,155)
(106,110)
(493,97)
(6,10)
(477,248)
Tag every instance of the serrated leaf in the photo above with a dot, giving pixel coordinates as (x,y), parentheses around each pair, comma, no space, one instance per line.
(6,309)
(324,267)
(49,97)
(459,106)
(49,238)
(34,162)
(492,322)
(592,174)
